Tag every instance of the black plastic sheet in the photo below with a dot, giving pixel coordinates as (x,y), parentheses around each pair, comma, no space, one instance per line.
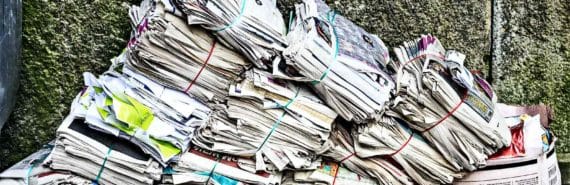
(10,47)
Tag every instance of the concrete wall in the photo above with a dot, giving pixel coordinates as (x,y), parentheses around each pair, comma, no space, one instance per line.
(522,46)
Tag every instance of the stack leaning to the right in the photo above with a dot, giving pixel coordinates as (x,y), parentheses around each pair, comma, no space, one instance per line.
(422,110)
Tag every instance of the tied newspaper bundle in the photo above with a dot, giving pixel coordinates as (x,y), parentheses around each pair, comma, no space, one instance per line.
(390,138)
(255,28)
(99,156)
(451,107)
(186,58)
(343,62)
(326,173)
(378,168)
(284,121)
(32,171)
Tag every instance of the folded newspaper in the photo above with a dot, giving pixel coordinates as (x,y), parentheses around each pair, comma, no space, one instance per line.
(140,113)
(32,171)
(327,173)
(255,28)
(181,57)
(451,107)
(343,151)
(99,156)
(392,139)
(284,121)
(344,63)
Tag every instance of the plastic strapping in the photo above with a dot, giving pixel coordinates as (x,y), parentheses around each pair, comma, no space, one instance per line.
(335,54)
(96,181)
(449,113)
(338,169)
(210,53)
(29,173)
(276,124)
(236,20)
(213,169)
(403,146)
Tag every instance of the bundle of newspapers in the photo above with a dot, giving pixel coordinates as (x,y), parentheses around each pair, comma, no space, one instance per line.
(451,107)
(222,92)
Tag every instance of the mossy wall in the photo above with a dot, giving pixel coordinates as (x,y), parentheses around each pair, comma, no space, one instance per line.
(62,39)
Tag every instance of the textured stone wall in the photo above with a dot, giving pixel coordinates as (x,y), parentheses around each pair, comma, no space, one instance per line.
(61,40)
(530,46)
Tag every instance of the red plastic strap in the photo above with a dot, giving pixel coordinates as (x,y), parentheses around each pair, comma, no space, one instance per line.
(448,114)
(340,162)
(421,56)
(403,146)
(203,66)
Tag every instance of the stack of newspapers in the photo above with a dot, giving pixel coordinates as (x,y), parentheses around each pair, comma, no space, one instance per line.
(223,92)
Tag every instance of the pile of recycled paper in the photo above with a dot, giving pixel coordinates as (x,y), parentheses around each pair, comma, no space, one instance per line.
(228,92)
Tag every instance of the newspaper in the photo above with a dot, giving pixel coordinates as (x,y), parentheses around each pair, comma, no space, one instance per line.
(452,108)
(344,63)
(327,173)
(100,157)
(255,28)
(182,57)
(198,167)
(160,120)
(33,170)
(375,167)
(392,139)
(255,122)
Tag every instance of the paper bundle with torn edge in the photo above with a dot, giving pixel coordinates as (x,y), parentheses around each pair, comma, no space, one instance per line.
(255,28)
(390,138)
(343,62)
(186,58)
(269,117)
(159,120)
(451,107)
(101,157)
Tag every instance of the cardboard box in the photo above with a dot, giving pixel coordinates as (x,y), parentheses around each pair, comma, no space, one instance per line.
(531,170)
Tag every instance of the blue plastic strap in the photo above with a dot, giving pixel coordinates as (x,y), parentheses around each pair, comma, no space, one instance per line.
(276,124)
(29,173)
(96,181)
(236,20)
(335,54)
(213,169)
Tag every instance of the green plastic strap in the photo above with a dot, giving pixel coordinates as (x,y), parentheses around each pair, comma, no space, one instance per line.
(276,124)
(29,173)
(335,54)
(96,181)
(290,21)
(213,169)
(236,20)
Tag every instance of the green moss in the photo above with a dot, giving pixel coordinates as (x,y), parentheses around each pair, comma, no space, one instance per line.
(536,59)
(61,40)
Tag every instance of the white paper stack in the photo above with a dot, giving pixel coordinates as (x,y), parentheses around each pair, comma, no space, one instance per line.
(343,62)
(101,157)
(255,28)
(453,109)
